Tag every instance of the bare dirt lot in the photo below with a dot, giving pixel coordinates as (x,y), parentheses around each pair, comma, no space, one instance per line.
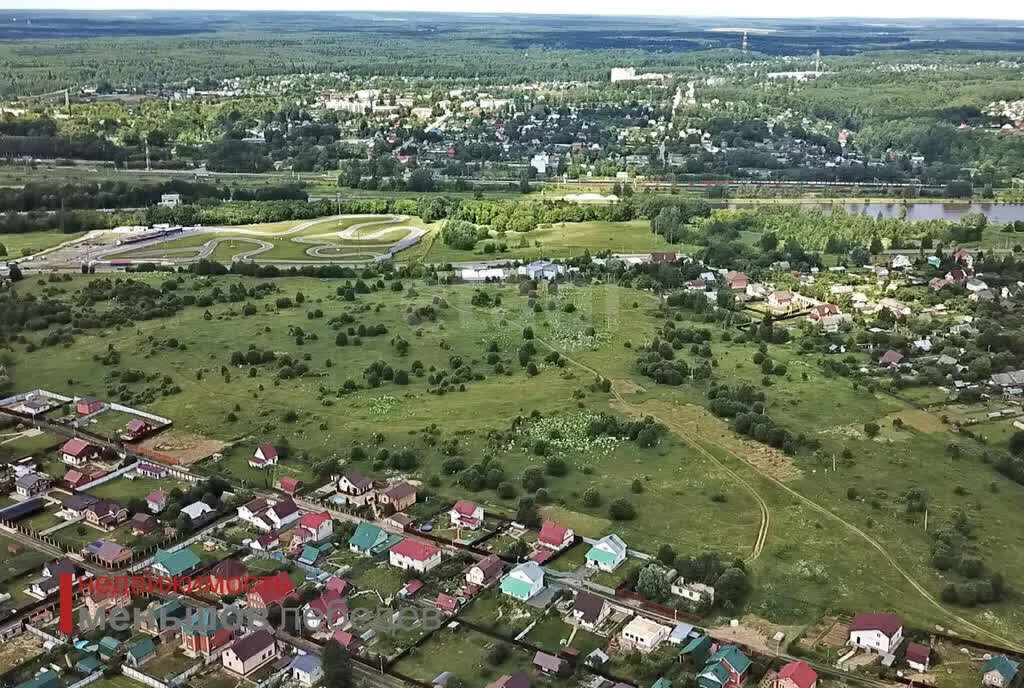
(183,447)
(19,650)
(627,387)
(700,424)
(922,421)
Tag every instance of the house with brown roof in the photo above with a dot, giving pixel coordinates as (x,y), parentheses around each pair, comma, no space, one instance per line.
(399,496)
(511,681)
(78,452)
(355,488)
(143,524)
(112,554)
(550,664)
(589,611)
(265,456)
(918,657)
(106,514)
(485,571)
(248,654)
(136,428)
(228,577)
(881,633)
(76,479)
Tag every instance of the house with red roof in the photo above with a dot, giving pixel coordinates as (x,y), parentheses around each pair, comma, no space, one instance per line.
(737,281)
(75,479)
(554,536)
(890,358)
(203,634)
(136,428)
(316,527)
(409,590)
(918,657)
(326,612)
(338,585)
(417,556)
(151,470)
(271,590)
(78,452)
(348,641)
(156,501)
(289,485)
(881,633)
(264,456)
(466,515)
(794,675)
(86,406)
(446,603)
(964,257)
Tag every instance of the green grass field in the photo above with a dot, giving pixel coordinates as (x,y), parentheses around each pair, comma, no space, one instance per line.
(26,243)
(817,557)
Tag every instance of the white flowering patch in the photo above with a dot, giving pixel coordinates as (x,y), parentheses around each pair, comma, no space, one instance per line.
(569,434)
(382,406)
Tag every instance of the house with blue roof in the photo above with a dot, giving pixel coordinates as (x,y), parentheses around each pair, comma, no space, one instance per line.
(999,672)
(306,670)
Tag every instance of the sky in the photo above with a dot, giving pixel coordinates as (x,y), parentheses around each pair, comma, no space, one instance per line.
(1002,9)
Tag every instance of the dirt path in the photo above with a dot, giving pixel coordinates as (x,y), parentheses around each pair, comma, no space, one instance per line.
(635,410)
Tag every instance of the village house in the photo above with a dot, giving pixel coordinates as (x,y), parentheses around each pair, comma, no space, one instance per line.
(780,300)
(86,406)
(509,681)
(822,310)
(963,257)
(589,611)
(156,501)
(446,603)
(890,359)
(550,664)
(204,635)
(197,510)
(228,577)
(77,452)
(289,485)
(306,670)
(175,564)
(399,496)
(415,556)
(999,671)
(106,514)
(793,675)
(541,270)
(726,668)
(99,600)
(163,619)
(555,537)
(366,539)
(50,581)
(756,290)
(326,612)
(31,484)
(112,554)
(736,281)
(607,553)
(693,591)
(265,456)
(881,633)
(349,641)
(355,488)
(270,590)
(276,517)
(76,480)
(643,635)
(484,571)
(918,657)
(313,528)
(151,470)
(248,654)
(141,652)
(466,515)
(524,581)
(143,524)
(135,429)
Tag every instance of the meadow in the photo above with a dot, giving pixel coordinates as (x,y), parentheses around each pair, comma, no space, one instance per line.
(27,243)
(824,547)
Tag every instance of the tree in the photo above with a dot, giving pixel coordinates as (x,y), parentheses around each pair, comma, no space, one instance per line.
(337,666)
(556,466)
(1017,443)
(533,479)
(732,585)
(871,429)
(527,513)
(666,554)
(621,510)
(651,583)
(591,497)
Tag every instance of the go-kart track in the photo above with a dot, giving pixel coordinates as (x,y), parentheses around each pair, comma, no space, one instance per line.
(360,246)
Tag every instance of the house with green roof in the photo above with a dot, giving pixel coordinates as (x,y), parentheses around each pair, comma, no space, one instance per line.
(366,538)
(999,671)
(47,679)
(697,650)
(727,668)
(607,553)
(89,664)
(172,564)
(110,647)
(524,581)
(662,683)
(141,652)
(309,555)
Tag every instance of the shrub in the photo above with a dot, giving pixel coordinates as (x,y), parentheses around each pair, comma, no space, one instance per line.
(621,510)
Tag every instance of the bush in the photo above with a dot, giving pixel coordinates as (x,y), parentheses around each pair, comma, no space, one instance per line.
(621,510)
(591,497)
(871,429)
(556,466)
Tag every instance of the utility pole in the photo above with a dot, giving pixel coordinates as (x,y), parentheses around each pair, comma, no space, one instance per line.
(67,101)
(147,153)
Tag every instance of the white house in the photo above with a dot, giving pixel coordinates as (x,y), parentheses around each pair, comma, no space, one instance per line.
(318,527)
(589,611)
(466,515)
(556,537)
(197,510)
(482,572)
(607,553)
(482,274)
(695,592)
(540,162)
(524,581)
(264,456)
(417,556)
(901,262)
(643,634)
(541,269)
(881,633)
(306,670)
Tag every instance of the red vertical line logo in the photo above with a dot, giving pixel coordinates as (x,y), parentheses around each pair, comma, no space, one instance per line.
(66,603)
